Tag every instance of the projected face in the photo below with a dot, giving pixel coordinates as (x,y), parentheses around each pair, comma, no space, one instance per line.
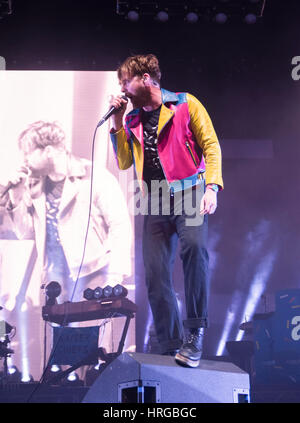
(39,161)
(43,147)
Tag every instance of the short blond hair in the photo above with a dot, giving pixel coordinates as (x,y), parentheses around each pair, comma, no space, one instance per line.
(40,134)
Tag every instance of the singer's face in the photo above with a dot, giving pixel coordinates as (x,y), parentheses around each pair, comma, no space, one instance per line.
(134,88)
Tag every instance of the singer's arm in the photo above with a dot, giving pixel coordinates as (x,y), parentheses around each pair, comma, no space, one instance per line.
(119,137)
(17,204)
(122,148)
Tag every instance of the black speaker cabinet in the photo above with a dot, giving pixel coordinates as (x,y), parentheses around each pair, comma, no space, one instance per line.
(149,378)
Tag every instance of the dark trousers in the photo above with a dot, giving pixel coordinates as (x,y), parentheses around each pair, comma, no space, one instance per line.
(160,237)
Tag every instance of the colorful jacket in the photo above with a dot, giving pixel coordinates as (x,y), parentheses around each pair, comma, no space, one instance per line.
(188,146)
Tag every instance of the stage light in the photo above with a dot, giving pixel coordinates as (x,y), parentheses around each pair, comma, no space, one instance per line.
(73,380)
(12,370)
(133,16)
(250,18)
(72,377)
(88,294)
(119,291)
(27,378)
(55,368)
(221,18)
(14,375)
(98,292)
(191,17)
(193,11)
(107,291)
(53,290)
(162,16)
(50,373)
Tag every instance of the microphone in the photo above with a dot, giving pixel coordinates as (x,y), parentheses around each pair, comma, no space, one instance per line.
(111,111)
(11,185)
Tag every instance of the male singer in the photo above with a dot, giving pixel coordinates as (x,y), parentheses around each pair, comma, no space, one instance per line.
(170,139)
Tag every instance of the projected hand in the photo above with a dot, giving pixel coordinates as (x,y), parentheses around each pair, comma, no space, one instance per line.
(14,189)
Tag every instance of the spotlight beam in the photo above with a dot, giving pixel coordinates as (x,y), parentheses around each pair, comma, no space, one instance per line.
(257,288)
(253,251)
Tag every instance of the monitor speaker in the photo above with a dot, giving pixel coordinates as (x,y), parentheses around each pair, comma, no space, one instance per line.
(151,378)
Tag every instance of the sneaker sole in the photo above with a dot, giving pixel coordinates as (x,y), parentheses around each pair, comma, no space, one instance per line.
(187,362)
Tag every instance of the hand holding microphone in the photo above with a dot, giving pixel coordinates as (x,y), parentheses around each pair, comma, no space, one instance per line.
(117,109)
(16,183)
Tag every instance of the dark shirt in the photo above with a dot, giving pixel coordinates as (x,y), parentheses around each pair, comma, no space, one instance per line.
(152,166)
(57,267)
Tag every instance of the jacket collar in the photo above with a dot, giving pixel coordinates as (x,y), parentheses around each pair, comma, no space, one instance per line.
(133,119)
(166,97)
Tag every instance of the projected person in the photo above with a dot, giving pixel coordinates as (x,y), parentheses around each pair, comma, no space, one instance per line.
(48,201)
(170,138)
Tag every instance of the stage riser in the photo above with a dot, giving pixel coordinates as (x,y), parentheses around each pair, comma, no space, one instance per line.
(136,377)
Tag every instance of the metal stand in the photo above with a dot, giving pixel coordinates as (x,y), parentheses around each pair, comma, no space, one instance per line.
(101,353)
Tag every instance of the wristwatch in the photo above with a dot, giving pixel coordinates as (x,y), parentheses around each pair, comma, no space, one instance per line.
(214,187)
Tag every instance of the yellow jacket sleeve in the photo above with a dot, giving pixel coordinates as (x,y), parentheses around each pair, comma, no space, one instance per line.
(206,137)
(122,149)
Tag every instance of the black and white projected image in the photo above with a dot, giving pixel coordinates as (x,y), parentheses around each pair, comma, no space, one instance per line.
(62,218)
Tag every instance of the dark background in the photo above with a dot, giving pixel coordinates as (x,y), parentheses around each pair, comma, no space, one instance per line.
(242,74)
